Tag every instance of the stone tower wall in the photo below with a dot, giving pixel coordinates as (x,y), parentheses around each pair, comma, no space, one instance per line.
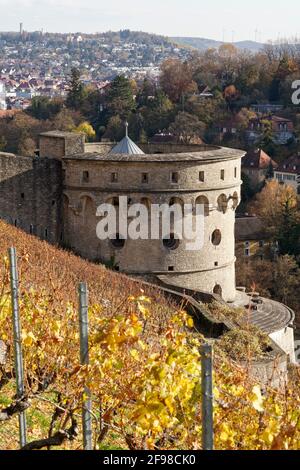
(60,144)
(211,268)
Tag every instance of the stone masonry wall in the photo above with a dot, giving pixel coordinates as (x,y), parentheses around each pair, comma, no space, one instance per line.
(207,269)
(60,144)
(31,194)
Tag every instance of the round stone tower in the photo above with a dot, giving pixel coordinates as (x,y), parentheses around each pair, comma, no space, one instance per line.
(157,174)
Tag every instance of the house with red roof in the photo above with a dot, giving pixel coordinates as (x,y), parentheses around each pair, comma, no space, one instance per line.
(258,165)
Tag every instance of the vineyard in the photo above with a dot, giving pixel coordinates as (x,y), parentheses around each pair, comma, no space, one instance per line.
(144,371)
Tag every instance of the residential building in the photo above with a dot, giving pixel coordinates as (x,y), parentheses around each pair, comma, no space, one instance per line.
(282,129)
(289,172)
(252,239)
(258,165)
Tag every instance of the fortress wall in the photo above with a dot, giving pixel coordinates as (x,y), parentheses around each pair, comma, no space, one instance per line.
(159,175)
(30,195)
(102,148)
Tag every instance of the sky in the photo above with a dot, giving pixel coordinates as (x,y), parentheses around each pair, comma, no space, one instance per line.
(227,20)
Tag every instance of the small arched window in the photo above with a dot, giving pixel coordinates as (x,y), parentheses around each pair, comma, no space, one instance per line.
(216,237)
(171,242)
(203,200)
(218,290)
(176,200)
(235,200)
(223,203)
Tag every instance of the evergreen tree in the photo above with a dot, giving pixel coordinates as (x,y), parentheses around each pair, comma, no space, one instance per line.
(289,230)
(120,98)
(159,113)
(43,108)
(76,93)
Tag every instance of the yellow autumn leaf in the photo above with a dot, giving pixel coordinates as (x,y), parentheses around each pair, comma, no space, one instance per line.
(257,400)
(135,354)
(28,338)
(144,311)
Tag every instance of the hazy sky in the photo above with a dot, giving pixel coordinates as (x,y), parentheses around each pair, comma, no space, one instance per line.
(216,19)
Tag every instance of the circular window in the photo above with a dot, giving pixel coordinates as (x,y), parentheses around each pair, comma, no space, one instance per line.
(170,242)
(216,237)
(118,242)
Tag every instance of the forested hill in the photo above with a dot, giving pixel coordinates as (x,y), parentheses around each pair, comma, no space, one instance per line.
(203,44)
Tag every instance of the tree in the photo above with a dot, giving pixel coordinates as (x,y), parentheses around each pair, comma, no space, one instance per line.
(278,279)
(43,108)
(244,117)
(120,98)
(77,92)
(115,129)
(247,189)
(143,137)
(146,91)
(64,120)
(267,138)
(158,114)
(277,204)
(27,147)
(187,128)
(86,129)
(176,80)
(230,94)
(20,127)
(91,106)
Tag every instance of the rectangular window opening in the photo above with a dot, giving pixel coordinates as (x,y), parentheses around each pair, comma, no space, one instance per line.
(202,176)
(114,177)
(175,177)
(145,178)
(85,177)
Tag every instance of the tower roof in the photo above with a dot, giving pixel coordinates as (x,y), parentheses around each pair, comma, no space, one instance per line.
(126,146)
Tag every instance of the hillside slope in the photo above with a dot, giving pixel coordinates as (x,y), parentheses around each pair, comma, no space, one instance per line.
(203,44)
(44,264)
(144,371)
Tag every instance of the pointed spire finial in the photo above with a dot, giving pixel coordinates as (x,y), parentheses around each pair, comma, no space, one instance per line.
(126,127)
